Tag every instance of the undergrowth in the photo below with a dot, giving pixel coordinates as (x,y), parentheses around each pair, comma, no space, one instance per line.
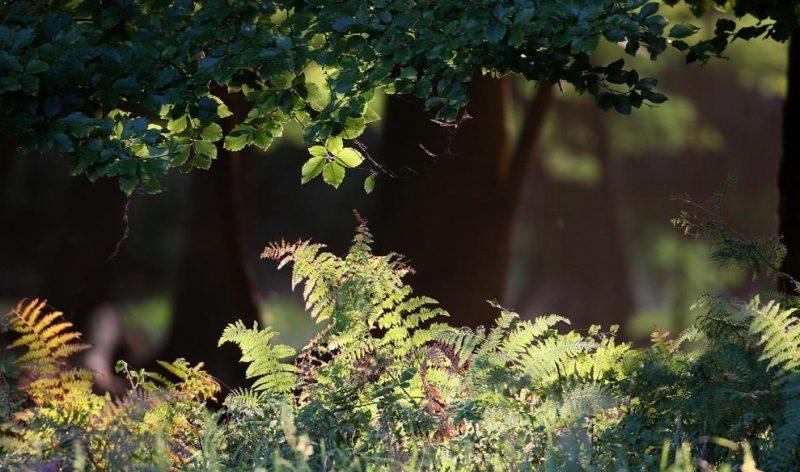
(387,384)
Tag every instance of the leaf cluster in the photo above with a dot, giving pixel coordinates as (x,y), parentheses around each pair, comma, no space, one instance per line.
(774,19)
(132,90)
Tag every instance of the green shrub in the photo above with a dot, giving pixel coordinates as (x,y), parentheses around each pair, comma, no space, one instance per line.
(387,385)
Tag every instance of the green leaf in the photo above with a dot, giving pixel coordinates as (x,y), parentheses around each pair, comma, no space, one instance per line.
(343,23)
(605,100)
(316,98)
(333,174)
(128,184)
(724,25)
(212,132)
(235,143)
(63,142)
(353,127)
(283,80)
(317,41)
(177,125)
(586,44)
(239,137)
(655,97)
(349,157)
(180,155)
(222,109)
(334,144)
(9,84)
(318,151)
(312,168)
(205,152)
(369,183)
(647,10)
(408,73)
(682,30)
(495,33)
(36,66)
(623,104)
(263,140)
(648,83)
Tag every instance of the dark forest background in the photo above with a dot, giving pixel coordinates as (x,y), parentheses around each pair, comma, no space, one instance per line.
(540,201)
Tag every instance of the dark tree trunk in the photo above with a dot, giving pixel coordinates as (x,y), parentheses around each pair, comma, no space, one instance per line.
(789,171)
(453,219)
(579,264)
(214,286)
(67,232)
(81,272)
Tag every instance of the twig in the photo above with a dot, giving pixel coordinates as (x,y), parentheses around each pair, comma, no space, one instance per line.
(126,230)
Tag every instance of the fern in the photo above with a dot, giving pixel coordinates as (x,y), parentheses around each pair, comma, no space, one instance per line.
(777,332)
(386,384)
(47,344)
(320,270)
(529,347)
(358,293)
(246,401)
(264,358)
(145,430)
(56,396)
(195,383)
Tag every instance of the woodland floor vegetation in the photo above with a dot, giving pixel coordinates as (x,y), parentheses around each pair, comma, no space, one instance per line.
(387,384)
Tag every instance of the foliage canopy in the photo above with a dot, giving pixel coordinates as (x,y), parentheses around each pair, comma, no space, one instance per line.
(134,89)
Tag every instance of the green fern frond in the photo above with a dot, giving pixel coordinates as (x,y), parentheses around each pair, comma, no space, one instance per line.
(195,383)
(777,331)
(546,359)
(463,341)
(246,401)
(358,294)
(264,358)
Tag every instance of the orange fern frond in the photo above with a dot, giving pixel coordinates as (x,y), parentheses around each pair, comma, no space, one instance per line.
(48,343)
(44,337)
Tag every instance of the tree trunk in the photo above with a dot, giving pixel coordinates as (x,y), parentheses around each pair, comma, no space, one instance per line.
(451,219)
(214,286)
(579,264)
(789,171)
(79,277)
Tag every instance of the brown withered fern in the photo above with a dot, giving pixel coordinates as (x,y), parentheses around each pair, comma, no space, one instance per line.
(47,343)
